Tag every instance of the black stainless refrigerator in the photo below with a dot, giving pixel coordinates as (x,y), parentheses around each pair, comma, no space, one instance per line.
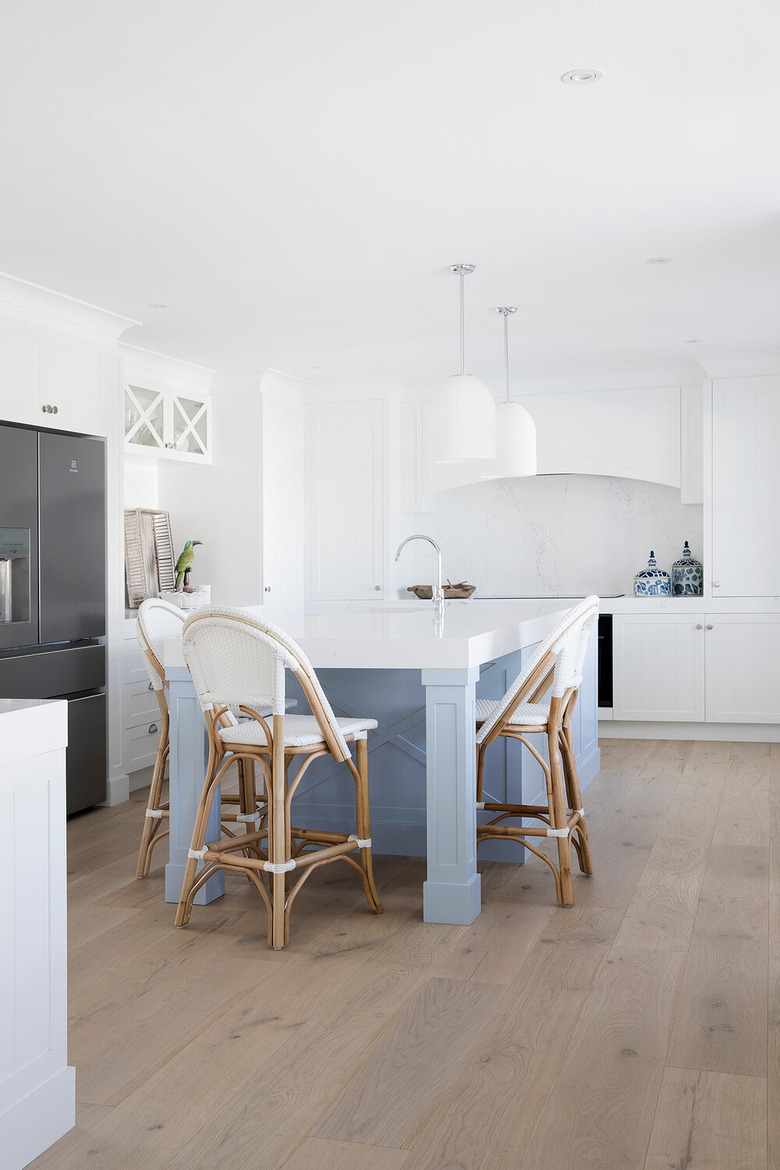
(53,589)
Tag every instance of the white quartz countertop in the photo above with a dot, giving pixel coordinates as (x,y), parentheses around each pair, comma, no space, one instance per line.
(402,635)
(31,727)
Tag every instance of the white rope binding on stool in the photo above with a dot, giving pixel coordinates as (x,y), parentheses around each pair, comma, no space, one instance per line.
(581,811)
(248,818)
(363,844)
(197,854)
(154,813)
(558,832)
(278,866)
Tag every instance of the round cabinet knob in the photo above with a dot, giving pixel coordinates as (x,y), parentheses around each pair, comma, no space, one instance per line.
(152,728)
(699,626)
(716,584)
(709,627)
(268,588)
(44,410)
(377,588)
(54,410)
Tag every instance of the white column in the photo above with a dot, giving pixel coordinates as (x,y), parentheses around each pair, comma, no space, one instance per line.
(187,765)
(452,891)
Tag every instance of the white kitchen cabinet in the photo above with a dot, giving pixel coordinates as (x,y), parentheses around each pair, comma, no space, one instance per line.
(743,668)
(745,559)
(345,499)
(45,381)
(282,502)
(658,662)
(694,668)
(165,422)
(140,711)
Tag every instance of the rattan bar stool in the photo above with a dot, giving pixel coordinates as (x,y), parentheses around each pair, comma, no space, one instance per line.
(238,663)
(556,668)
(158,620)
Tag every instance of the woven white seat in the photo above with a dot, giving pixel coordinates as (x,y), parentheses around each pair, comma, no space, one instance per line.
(299,731)
(556,668)
(525,714)
(239,665)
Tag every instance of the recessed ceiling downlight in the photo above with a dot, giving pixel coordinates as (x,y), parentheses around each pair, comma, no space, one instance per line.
(582,76)
(659,260)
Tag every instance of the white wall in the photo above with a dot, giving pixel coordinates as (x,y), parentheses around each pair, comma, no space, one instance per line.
(560,534)
(220,503)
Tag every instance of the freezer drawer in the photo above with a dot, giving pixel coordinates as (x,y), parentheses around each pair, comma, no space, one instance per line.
(53,673)
(86,754)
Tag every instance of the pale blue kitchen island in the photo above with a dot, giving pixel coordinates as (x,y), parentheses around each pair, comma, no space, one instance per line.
(392,663)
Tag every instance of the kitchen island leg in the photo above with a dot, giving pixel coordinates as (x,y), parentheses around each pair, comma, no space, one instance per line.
(451,893)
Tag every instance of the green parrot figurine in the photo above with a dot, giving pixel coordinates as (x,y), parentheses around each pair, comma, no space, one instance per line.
(184,563)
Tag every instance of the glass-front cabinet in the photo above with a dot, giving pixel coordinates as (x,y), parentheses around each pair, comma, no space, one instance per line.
(163,422)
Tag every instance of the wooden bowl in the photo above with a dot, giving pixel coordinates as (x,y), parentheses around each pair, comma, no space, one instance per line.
(425,592)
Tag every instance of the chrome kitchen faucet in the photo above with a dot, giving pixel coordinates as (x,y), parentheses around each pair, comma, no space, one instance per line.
(437,591)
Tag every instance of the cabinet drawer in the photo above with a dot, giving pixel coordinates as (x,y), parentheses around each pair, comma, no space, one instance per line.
(139,703)
(139,745)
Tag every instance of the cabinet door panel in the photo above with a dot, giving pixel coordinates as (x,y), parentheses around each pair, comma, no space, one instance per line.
(19,377)
(658,667)
(746,488)
(743,668)
(71,383)
(345,512)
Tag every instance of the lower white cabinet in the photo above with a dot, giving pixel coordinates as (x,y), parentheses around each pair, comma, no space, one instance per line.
(140,711)
(658,665)
(693,668)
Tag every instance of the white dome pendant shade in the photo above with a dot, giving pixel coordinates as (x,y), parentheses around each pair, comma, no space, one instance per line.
(515,429)
(464,410)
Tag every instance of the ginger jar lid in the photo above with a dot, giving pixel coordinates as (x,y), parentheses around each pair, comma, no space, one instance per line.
(687,560)
(652,572)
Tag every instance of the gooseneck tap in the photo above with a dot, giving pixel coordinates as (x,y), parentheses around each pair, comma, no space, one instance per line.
(437,591)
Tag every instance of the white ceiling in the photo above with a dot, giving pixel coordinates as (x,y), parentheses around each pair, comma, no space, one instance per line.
(294,177)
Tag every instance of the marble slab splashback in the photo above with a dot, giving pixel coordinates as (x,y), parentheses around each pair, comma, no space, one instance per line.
(552,534)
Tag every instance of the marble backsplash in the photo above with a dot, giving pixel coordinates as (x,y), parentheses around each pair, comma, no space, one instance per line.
(552,534)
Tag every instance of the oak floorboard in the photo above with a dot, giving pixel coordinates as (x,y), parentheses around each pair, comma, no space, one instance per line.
(709,1121)
(412,1065)
(508,1075)
(330,1155)
(721,1020)
(601,1109)
(744,806)
(662,911)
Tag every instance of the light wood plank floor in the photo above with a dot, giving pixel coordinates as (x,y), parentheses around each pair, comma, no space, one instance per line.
(640,1029)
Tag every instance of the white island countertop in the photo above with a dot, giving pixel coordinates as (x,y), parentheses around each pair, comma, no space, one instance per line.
(402,635)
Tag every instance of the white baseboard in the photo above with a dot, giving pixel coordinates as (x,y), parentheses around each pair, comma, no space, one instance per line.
(736,732)
(141,779)
(39,1120)
(117,790)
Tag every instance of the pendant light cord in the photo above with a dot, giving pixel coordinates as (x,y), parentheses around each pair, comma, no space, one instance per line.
(462,322)
(505,312)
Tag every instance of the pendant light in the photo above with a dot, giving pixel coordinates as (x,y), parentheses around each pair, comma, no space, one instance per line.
(515,429)
(464,418)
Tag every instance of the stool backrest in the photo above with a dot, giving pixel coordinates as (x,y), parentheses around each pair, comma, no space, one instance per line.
(239,660)
(157,620)
(557,662)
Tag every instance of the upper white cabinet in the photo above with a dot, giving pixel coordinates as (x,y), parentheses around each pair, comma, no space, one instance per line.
(345,493)
(48,381)
(282,502)
(745,559)
(160,420)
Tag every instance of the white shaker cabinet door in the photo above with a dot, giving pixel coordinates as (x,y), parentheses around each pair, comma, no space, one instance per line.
(743,668)
(20,376)
(745,487)
(658,667)
(345,512)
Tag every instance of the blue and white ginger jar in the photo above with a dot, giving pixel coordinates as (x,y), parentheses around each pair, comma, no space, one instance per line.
(652,581)
(687,575)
